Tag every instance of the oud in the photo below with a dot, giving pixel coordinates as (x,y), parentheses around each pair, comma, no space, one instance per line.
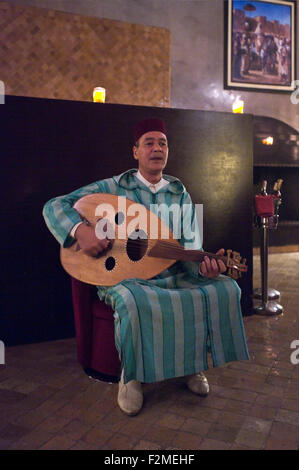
(134,253)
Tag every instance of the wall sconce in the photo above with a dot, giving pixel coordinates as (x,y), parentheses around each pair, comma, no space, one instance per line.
(238,106)
(99,95)
(268,140)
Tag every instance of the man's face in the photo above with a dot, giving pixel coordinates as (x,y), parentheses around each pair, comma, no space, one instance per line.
(152,152)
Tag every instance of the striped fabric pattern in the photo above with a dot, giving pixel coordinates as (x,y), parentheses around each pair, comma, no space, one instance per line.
(164,326)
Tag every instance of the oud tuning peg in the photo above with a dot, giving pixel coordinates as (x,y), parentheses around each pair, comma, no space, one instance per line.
(233,273)
(236,255)
(228,257)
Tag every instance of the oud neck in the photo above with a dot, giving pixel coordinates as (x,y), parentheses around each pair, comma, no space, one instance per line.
(163,249)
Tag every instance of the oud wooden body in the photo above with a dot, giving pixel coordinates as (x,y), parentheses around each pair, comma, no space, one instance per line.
(155,250)
(94,270)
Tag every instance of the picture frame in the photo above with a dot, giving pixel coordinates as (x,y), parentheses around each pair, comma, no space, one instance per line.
(260,45)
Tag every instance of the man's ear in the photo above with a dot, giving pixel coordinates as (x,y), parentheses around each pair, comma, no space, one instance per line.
(135,152)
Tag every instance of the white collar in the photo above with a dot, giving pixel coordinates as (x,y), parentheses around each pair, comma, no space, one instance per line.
(153,187)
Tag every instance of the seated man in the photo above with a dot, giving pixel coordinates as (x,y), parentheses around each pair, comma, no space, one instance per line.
(164,326)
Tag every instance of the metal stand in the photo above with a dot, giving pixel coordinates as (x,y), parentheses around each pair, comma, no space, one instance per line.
(273,294)
(268,307)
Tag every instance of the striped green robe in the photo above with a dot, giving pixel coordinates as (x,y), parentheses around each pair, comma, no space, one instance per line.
(165,326)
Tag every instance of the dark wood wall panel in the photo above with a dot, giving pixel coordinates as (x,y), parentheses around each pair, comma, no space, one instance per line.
(50,147)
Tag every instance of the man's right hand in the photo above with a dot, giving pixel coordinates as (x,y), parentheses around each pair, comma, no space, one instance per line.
(89,243)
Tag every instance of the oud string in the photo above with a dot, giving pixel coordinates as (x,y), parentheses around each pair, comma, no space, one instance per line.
(136,245)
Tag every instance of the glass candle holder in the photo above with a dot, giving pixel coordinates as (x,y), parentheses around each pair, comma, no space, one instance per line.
(99,95)
(238,106)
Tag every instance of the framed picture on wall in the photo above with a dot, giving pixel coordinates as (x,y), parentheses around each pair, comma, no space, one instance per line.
(260,45)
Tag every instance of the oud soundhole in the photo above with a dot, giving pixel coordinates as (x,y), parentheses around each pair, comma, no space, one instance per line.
(110,263)
(137,245)
(119,218)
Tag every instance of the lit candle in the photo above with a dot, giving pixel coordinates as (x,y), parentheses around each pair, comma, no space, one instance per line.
(99,94)
(238,105)
(268,140)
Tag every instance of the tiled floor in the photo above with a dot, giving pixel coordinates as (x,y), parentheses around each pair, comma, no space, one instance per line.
(47,402)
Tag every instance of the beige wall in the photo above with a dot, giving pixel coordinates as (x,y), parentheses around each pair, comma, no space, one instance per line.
(52,54)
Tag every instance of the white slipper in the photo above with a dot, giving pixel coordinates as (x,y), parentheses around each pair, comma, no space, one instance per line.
(198,384)
(130,397)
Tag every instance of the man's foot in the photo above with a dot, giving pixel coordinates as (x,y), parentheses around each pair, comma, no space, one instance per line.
(130,397)
(198,384)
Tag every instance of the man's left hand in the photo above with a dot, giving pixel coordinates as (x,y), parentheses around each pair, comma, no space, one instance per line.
(211,267)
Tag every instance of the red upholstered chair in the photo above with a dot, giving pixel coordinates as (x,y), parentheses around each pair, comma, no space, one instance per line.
(94,326)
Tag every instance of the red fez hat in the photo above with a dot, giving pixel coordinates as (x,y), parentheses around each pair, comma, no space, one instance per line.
(148,125)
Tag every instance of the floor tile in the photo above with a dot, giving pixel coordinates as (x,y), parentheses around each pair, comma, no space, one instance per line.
(50,403)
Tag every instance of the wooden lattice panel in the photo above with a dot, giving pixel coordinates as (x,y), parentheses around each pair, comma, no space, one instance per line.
(50,54)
